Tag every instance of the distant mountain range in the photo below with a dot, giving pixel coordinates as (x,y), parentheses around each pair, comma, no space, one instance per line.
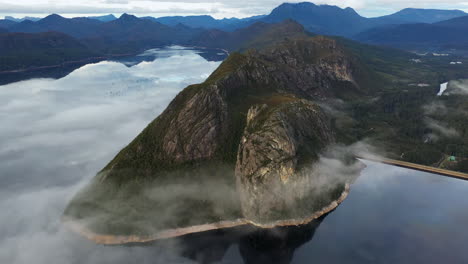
(405,29)
(76,27)
(106,18)
(22,19)
(447,34)
(414,15)
(319,19)
(5,23)
(207,22)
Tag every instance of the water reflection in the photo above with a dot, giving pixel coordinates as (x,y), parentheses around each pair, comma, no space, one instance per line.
(254,245)
(60,71)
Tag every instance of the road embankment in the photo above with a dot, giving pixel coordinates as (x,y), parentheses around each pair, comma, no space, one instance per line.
(408,165)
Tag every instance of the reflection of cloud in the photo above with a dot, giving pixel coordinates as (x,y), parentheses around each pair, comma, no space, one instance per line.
(56,134)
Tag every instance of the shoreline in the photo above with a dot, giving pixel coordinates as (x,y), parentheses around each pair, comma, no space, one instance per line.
(96,60)
(102,239)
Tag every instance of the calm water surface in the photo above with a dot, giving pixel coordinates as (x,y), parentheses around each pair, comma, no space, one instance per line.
(392,215)
(56,133)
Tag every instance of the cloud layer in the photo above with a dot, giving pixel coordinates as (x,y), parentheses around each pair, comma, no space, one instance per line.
(56,134)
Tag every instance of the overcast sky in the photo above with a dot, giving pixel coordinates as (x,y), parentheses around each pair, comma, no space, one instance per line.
(216,8)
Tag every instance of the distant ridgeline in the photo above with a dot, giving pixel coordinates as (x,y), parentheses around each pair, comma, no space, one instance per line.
(255,141)
(26,46)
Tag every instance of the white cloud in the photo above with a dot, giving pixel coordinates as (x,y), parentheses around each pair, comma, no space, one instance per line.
(441,128)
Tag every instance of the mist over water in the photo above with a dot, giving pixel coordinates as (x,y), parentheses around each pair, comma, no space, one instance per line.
(56,134)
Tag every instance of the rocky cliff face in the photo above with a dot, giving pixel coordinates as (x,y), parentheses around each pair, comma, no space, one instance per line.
(276,142)
(196,137)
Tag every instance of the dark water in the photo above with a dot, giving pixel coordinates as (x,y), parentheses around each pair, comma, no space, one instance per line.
(392,215)
(131,60)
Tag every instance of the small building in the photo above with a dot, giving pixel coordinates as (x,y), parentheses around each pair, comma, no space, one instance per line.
(452,158)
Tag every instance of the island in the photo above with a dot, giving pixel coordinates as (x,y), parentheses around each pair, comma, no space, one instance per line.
(263,141)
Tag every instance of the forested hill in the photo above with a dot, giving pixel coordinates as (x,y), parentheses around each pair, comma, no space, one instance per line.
(24,50)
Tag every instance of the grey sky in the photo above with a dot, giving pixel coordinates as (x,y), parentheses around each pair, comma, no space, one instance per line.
(216,8)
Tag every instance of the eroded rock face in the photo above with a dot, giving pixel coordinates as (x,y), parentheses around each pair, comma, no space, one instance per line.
(194,134)
(277,142)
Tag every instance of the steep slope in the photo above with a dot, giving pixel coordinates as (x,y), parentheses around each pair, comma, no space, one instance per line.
(24,50)
(195,143)
(415,15)
(277,143)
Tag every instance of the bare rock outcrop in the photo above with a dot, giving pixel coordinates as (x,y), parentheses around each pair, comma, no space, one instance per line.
(277,142)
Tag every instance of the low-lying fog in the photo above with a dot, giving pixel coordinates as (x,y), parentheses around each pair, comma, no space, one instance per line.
(56,134)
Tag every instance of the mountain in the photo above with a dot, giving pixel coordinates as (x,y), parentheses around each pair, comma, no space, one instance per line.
(191,21)
(333,20)
(106,18)
(321,19)
(318,19)
(255,35)
(414,15)
(76,27)
(441,35)
(27,50)
(127,34)
(131,34)
(207,22)
(216,140)
(22,19)
(5,23)
(455,23)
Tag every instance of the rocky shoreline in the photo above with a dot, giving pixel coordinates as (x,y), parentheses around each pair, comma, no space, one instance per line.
(101,239)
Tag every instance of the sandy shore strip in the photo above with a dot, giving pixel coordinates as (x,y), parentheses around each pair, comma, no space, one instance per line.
(101,239)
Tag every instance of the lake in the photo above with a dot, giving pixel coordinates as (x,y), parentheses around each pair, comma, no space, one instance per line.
(57,133)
